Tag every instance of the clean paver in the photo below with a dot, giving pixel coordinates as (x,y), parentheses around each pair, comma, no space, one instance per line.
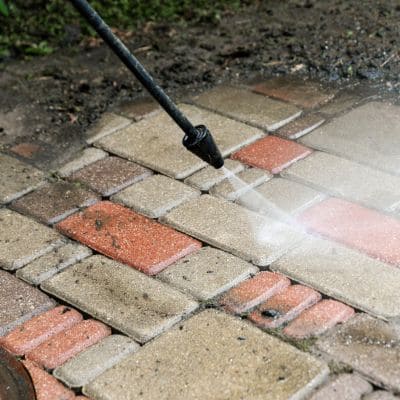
(209,176)
(355,226)
(344,387)
(284,306)
(22,240)
(107,124)
(272,153)
(19,302)
(111,174)
(156,141)
(318,319)
(243,105)
(369,346)
(54,202)
(156,195)
(344,274)
(344,178)
(126,236)
(300,126)
(32,333)
(17,178)
(239,184)
(236,360)
(59,348)
(48,265)
(120,296)
(254,291)
(207,273)
(369,134)
(87,365)
(234,229)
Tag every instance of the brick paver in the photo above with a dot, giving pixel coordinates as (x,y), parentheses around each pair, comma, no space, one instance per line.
(26,150)
(156,141)
(300,126)
(236,360)
(342,102)
(107,124)
(284,306)
(318,319)
(120,296)
(243,105)
(234,229)
(253,291)
(207,273)
(60,347)
(357,227)
(272,153)
(128,237)
(137,109)
(156,195)
(19,302)
(32,333)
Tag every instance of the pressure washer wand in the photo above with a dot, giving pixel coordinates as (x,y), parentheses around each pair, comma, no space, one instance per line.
(197,139)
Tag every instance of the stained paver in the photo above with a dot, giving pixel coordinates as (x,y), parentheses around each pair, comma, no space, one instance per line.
(111,174)
(344,274)
(357,227)
(303,93)
(46,386)
(86,157)
(26,149)
(381,395)
(87,365)
(137,109)
(318,319)
(344,387)
(207,273)
(122,297)
(107,124)
(19,302)
(241,183)
(206,178)
(156,141)
(342,102)
(128,237)
(236,360)
(22,240)
(234,229)
(280,198)
(54,202)
(343,178)
(253,291)
(272,153)
(369,346)
(156,195)
(243,105)
(300,126)
(32,333)
(284,306)
(59,348)
(48,265)
(17,178)
(369,134)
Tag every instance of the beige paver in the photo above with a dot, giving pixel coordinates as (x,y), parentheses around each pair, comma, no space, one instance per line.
(120,296)
(381,395)
(156,195)
(233,228)
(207,273)
(156,141)
(212,356)
(249,107)
(107,124)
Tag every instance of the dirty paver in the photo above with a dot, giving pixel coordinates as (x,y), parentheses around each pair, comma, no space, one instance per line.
(300,126)
(107,124)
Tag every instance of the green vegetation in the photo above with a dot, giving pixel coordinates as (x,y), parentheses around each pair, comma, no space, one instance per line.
(36,27)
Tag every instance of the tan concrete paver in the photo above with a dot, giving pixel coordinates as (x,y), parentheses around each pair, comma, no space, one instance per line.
(107,124)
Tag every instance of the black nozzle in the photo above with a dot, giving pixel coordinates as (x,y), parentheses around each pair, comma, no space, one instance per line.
(202,145)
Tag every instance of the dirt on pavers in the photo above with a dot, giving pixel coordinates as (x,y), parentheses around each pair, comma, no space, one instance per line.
(50,101)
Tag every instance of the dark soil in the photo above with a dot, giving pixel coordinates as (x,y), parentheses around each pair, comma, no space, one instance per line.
(52,100)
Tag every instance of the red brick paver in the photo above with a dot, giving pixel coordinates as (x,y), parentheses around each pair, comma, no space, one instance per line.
(26,150)
(128,237)
(32,333)
(61,347)
(319,318)
(253,291)
(356,226)
(272,153)
(46,386)
(284,306)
